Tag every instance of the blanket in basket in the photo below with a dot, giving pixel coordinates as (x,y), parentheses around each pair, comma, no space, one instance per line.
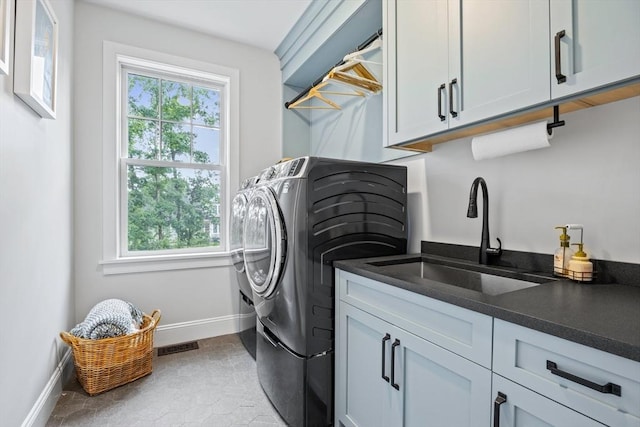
(109,318)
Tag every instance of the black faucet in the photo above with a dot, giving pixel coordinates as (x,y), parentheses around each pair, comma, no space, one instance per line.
(472,212)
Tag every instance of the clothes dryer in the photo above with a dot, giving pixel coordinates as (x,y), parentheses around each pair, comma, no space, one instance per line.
(303,215)
(247,319)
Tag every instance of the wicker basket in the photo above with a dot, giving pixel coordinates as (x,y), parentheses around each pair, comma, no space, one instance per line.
(111,362)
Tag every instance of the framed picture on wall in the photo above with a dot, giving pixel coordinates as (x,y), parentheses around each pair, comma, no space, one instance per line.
(5,22)
(36,56)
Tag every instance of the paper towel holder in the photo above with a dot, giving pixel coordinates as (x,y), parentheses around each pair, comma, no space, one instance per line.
(556,120)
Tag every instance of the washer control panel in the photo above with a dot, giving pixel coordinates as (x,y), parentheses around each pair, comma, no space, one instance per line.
(288,169)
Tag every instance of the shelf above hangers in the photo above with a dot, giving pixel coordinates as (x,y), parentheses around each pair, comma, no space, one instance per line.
(350,73)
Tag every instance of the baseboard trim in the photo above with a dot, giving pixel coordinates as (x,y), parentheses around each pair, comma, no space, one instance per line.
(47,400)
(176,333)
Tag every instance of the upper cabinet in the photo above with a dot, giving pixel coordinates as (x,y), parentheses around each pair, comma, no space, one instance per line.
(499,57)
(594,42)
(415,57)
(453,64)
(450,62)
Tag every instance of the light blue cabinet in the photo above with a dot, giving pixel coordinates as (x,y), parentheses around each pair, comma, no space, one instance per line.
(517,406)
(403,359)
(415,57)
(603,386)
(598,43)
(456,63)
(440,387)
(390,376)
(363,397)
(450,63)
(499,57)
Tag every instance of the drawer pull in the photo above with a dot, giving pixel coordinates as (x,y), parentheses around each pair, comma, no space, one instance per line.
(386,338)
(395,344)
(609,388)
(500,399)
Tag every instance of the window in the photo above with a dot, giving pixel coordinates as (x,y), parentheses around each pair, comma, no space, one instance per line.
(170,161)
(173,161)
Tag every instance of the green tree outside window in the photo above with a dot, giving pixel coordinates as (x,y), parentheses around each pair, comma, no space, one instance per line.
(173,196)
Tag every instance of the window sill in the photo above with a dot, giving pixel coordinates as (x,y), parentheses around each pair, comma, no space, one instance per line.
(164,263)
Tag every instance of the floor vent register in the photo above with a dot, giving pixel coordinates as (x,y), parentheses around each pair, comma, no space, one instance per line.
(178,348)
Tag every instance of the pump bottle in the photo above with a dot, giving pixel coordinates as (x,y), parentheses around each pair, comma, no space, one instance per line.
(580,268)
(562,255)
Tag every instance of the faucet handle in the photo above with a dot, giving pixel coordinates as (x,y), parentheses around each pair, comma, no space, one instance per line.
(495,251)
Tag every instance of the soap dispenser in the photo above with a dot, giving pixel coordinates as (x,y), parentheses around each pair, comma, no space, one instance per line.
(580,268)
(562,255)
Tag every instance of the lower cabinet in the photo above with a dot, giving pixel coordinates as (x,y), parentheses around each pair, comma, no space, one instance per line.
(601,385)
(403,360)
(390,377)
(363,397)
(516,406)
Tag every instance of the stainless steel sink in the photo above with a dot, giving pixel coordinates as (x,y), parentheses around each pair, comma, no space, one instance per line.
(488,280)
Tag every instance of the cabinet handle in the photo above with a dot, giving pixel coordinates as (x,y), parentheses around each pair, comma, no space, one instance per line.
(500,399)
(386,338)
(440,89)
(609,388)
(451,110)
(395,344)
(561,77)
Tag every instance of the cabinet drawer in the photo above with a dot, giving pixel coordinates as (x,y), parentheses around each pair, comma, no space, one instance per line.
(522,407)
(569,373)
(457,329)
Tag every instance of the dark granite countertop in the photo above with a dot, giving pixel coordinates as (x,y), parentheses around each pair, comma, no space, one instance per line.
(599,315)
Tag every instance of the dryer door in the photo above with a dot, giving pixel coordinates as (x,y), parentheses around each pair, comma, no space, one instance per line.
(264,242)
(238,211)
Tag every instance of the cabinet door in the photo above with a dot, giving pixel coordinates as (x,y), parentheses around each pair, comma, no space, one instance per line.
(524,408)
(500,57)
(427,385)
(440,387)
(363,397)
(415,57)
(601,43)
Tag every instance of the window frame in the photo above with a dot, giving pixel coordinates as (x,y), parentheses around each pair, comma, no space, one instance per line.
(116,258)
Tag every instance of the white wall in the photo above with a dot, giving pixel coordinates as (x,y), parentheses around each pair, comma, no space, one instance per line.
(36,243)
(295,127)
(195,298)
(589,175)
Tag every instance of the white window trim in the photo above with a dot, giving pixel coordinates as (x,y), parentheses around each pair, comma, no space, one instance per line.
(112,262)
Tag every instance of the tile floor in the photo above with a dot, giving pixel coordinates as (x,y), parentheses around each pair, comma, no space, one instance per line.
(214,386)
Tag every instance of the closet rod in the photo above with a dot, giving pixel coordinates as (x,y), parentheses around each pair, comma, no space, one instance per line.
(366,43)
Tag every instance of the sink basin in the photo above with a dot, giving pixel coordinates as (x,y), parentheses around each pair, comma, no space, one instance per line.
(488,280)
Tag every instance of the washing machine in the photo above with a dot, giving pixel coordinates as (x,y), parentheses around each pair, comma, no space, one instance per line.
(247,318)
(303,215)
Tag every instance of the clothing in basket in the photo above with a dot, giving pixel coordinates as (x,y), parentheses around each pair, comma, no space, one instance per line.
(109,318)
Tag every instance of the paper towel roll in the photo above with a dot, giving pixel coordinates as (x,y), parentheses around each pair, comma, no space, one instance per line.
(515,140)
